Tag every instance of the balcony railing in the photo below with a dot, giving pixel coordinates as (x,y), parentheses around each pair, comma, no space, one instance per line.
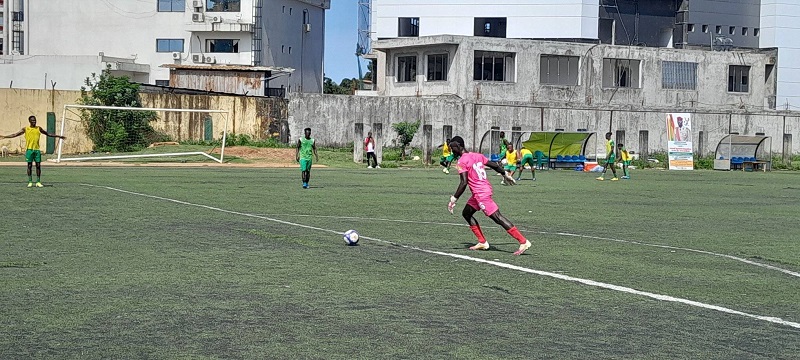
(276,92)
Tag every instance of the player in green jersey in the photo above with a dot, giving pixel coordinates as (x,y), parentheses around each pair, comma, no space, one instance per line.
(305,147)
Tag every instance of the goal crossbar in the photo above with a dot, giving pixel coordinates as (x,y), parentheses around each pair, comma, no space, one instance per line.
(112,157)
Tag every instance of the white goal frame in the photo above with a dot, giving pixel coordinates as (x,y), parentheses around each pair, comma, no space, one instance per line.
(113,157)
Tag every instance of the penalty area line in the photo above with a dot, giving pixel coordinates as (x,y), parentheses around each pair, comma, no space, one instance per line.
(772,319)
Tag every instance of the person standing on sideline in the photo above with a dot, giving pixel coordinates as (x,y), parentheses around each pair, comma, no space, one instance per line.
(611,158)
(32,152)
(369,147)
(305,147)
(625,159)
(471,169)
(447,156)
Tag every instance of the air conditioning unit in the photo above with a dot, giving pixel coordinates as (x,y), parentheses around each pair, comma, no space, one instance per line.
(197,4)
(216,19)
(198,18)
(307,27)
(197,58)
(210,60)
(177,55)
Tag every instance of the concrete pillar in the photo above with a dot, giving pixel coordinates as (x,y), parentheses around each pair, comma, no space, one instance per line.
(447,133)
(516,135)
(377,133)
(358,143)
(427,139)
(494,142)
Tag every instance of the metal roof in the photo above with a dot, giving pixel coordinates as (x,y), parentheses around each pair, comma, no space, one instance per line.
(228,68)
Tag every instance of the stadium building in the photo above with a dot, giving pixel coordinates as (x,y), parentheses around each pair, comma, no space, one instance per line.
(57,44)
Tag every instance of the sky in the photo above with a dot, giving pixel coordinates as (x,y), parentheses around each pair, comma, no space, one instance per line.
(341,36)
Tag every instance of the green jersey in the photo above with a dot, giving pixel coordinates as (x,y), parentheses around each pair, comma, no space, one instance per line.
(306,148)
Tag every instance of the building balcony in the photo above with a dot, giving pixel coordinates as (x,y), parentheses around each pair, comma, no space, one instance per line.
(17,16)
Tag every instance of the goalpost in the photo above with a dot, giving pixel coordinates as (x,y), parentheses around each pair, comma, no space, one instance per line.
(79,130)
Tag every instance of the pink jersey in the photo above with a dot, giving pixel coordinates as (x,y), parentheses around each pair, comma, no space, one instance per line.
(472,163)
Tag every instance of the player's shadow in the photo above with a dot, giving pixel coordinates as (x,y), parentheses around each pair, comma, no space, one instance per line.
(492,247)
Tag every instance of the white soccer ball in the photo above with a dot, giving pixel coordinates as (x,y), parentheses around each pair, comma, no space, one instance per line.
(504,161)
(351,237)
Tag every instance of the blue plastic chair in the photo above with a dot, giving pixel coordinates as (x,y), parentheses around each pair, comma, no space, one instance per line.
(575,158)
(560,158)
(582,158)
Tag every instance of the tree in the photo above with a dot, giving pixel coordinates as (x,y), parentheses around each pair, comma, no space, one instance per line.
(115,130)
(405,133)
(346,87)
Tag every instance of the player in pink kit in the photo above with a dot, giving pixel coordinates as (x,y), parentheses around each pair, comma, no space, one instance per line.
(471,169)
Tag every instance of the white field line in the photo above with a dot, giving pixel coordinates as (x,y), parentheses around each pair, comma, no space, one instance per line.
(746,261)
(624,289)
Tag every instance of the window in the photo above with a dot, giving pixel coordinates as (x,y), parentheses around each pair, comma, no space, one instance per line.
(731,30)
(621,73)
(169,45)
(558,70)
(690,28)
(494,66)
(162,82)
(305,16)
(172,5)
(719,30)
(705,28)
(290,50)
(745,31)
(756,32)
(408,27)
(678,75)
(739,78)
(224,5)
(222,46)
(491,27)
(437,67)
(406,68)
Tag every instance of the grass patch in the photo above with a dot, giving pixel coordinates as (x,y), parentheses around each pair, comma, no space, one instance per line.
(106,274)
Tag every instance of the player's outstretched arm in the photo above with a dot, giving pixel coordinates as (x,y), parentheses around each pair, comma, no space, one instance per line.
(499,169)
(18,133)
(51,135)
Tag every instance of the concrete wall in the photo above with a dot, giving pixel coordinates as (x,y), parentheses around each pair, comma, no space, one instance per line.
(711,91)
(259,118)
(333,120)
(725,13)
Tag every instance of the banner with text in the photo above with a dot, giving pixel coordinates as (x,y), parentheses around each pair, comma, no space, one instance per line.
(679,142)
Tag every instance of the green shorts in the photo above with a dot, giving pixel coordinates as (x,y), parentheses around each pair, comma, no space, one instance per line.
(305,164)
(510,167)
(448,158)
(611,159)
(527,159)
(626,162)
(33,155)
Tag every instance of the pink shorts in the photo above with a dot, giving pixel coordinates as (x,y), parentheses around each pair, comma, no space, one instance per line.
(486,204)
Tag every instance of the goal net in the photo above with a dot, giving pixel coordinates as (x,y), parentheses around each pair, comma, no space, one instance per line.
(113,133)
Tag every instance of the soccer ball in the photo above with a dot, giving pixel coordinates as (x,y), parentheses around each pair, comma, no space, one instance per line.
(351,237)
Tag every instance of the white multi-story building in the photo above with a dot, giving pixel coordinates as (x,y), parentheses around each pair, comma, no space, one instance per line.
(57,44)
(717,24)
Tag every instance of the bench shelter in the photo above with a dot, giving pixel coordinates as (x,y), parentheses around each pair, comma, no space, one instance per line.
(743,152)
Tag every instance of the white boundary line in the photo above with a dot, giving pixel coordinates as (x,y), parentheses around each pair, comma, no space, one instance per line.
(746,261)
(772,319)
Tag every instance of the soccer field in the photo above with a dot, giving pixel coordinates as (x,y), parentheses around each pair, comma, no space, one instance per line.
(214,262)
